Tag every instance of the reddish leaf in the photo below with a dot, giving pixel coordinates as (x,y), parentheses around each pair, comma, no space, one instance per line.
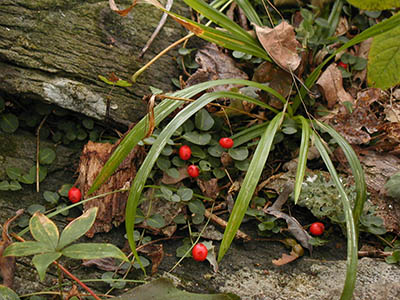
(285,259)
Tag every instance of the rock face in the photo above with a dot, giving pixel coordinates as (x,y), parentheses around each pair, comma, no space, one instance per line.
(54,50)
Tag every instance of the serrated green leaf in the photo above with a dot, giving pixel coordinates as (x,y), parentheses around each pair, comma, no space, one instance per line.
(9,122)
(374,5)
(26,248)
(384,60)
(77,228)
(203,120)
(51,197)
(42,262)
(44,230)
(93,250)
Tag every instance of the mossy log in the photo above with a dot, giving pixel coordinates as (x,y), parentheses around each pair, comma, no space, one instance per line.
(54,51)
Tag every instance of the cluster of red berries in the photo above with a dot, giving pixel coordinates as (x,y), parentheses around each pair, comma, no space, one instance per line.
(185,153)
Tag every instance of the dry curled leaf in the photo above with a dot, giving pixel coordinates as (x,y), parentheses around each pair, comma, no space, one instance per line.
(285,259)
(7,264)
(331,84)
(156,253)
(214,64)
(281,45)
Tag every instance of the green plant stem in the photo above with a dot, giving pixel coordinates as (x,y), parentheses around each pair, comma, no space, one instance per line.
(60,282)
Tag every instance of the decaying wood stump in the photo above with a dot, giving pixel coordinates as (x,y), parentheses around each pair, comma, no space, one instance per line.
(111,207)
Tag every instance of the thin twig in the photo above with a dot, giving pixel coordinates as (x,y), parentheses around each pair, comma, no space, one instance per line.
(159,26)
(37,152)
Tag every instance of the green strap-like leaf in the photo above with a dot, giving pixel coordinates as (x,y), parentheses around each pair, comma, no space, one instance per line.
(356,168)
(352,245)
(93,250)
(302,163)
(43,261)
(161,112)
(249,184)
(26,248)
(7,293)
(249,11)
(375,5)
(77,227)
(44,230)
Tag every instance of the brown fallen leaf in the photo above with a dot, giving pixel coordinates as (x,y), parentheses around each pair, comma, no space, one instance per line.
(166,179)
(281,44)
(108,264)
(209,188)
(214,64)
(285,259)
(363,53)
(7,264)
(156,253)
(331,84)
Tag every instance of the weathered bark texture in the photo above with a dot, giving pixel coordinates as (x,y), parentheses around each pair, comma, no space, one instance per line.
(54,50)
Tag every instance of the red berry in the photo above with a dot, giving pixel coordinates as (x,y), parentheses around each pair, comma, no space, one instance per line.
(199,252)
(74,195)
(342,64)
(317,228)
(193,171)
(185,152)
(226,142)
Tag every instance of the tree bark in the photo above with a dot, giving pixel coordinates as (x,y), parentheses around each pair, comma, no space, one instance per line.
(54,51)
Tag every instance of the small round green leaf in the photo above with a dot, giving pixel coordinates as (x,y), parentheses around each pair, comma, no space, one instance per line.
(47,156)
(36,207)
(9,122)
(203,120)
(14,173)
(186,194)
(173,172)
(163,163)
(196,206)
(197,138)
(51,197)
(239,153)
(64,189)
(156,221)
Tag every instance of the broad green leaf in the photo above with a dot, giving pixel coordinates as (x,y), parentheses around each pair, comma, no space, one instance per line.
(93,250)
(144,261)
(239,153)
(173,172)
(9,122)
(374,5)
(197,138)
(14,173)
(249,184)
(44,230)
(77,228)
(42,262)
(302,164)
(26,248)
(392,186)
(31,176)
(203,120)
(7,293)
(384,60)
(36,208)
(51,197)
(351,227)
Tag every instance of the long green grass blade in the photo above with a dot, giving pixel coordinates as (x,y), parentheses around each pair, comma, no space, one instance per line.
(355,165)
(249,184)
(248,134)
(302,163)
(225,39)
(221,20)
(161,111)
(249,11)
(352,245)
(375,30)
